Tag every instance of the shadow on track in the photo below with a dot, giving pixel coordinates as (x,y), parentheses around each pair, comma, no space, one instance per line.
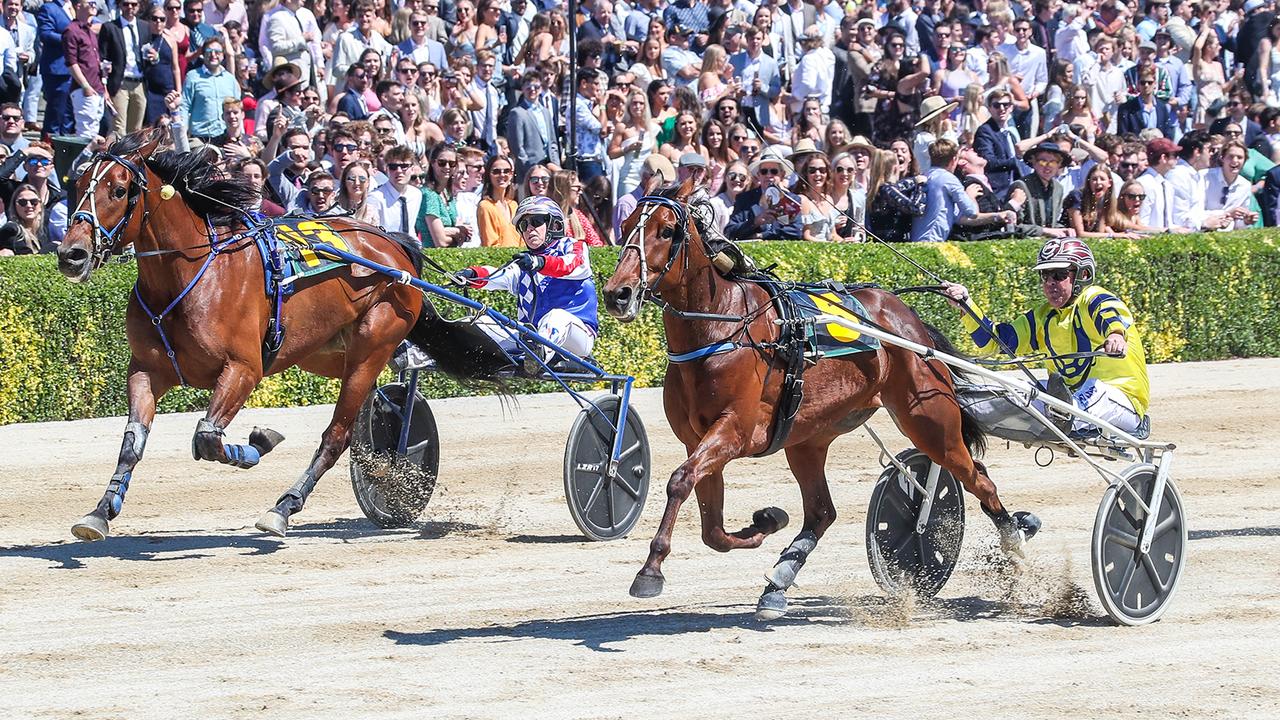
(1234,532)
(598,632)
(72,555)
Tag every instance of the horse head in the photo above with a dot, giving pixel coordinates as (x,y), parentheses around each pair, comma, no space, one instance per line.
(108,190)
(656,232)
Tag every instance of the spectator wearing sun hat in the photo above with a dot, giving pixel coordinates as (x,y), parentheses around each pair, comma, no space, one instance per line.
(931,126)
(1038,197)
(769,210)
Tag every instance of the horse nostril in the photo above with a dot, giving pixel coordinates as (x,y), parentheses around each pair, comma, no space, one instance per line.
(622,298)
(73,255)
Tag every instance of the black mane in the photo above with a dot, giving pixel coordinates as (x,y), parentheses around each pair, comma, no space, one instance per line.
(198,177)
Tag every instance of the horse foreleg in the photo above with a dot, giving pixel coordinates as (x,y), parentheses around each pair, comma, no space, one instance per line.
(808,464)
(229,395)
(355,388)
(144,389)
(764,522)
(722,443)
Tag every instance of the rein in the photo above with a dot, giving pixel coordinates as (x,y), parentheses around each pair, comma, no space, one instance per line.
(104,241)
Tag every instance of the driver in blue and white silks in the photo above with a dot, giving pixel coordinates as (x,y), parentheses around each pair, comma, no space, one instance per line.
(1077,316)
(552,281)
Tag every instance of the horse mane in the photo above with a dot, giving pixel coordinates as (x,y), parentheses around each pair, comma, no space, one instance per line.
(198,177)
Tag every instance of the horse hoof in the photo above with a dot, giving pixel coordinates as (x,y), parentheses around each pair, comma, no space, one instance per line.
(272,523)
(770,520)
(646,586)
(772,605)
(1014,545)
(90,528)
(1029,524)
(264,440)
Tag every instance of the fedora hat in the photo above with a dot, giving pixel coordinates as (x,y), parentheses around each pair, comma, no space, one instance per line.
(933,106)
(1050,147)
(771,156)
(281,65)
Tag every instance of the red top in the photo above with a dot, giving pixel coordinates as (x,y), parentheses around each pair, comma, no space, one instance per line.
(80,47)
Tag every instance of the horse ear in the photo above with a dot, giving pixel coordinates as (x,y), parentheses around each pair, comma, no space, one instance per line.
(686,189)
(152,140)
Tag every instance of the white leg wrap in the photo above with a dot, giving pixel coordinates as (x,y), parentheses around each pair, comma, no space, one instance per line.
(792,559)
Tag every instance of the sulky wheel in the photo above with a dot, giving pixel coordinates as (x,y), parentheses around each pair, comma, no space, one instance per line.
(902,555)
(391,489)
(1135,586)
(604,508)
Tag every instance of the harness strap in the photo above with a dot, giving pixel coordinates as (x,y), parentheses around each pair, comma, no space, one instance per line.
(706,351)
(791,343)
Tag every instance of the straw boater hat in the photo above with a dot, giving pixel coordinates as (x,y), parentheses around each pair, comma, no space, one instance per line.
(859,142)
(803,148)
(933,106)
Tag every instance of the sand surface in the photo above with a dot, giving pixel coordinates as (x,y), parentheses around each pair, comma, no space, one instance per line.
(494,606)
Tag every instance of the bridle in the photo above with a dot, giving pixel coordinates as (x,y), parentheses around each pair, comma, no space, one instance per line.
(648,205)
(104,240)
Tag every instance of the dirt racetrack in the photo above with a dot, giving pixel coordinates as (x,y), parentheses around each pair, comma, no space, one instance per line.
(494,607)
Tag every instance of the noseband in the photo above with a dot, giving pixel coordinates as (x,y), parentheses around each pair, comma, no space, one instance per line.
(104,240)
(648,205)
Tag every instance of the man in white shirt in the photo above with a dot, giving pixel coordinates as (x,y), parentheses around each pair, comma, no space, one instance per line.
(976,58)
(1190,188)
(467,183)
(1157,208)
(1071,41)
(815,72)
(397,198)
(1104,80)
(24,48)
(1028,62)
(1227,190)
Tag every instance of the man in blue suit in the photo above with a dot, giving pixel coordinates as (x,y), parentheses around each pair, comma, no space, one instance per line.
(1146,110)
(52,20)
(998,143)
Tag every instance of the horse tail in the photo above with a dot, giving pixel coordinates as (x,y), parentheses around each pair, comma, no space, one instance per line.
(974,436)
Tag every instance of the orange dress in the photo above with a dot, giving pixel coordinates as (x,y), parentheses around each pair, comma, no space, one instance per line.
(496,229)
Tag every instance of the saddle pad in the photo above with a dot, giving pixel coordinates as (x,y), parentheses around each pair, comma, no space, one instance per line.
(830,339)
(296,235)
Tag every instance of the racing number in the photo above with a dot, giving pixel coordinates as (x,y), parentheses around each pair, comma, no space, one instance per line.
(312,231)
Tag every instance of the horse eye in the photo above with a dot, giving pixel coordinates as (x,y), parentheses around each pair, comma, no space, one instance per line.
(117,193)
(667,233)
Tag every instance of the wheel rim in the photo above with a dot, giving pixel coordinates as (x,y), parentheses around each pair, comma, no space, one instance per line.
(900,557)
(1135,587)
(393,492)
(604,508)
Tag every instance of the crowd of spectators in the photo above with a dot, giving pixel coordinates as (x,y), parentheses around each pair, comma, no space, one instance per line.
(911,120)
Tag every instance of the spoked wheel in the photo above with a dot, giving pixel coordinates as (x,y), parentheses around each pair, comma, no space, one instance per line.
(902,555)
(605,508)
(1135,587)
(392,489)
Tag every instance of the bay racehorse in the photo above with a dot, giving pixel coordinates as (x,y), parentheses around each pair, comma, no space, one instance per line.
(201,309)
(725,385)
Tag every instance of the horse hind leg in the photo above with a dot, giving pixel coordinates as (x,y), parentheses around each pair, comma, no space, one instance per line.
(808,464)
(360,376)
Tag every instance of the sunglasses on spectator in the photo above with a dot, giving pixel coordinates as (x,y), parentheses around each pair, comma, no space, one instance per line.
(737,177)
(443,163)
(405,166)
(408,69)
(28,202)
(39,161)
(12,118)
(357,180)
(530,222)
(815,169)
(500,171)
(539,179)
(1228,133)
(385,130)
(1001,104)
(1129,166)
(1134,196)
(769,171)
(321,190)
(844,169)
(1055,275)
(345,147)
(420,23)
(738,138)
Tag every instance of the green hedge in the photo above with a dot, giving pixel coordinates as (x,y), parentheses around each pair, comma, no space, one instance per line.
(63,353)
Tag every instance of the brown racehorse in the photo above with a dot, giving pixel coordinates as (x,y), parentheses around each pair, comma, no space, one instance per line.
(175,209)
(722,406)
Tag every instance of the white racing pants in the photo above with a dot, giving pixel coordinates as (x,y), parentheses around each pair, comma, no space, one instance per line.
(559,326)
(1103,401)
